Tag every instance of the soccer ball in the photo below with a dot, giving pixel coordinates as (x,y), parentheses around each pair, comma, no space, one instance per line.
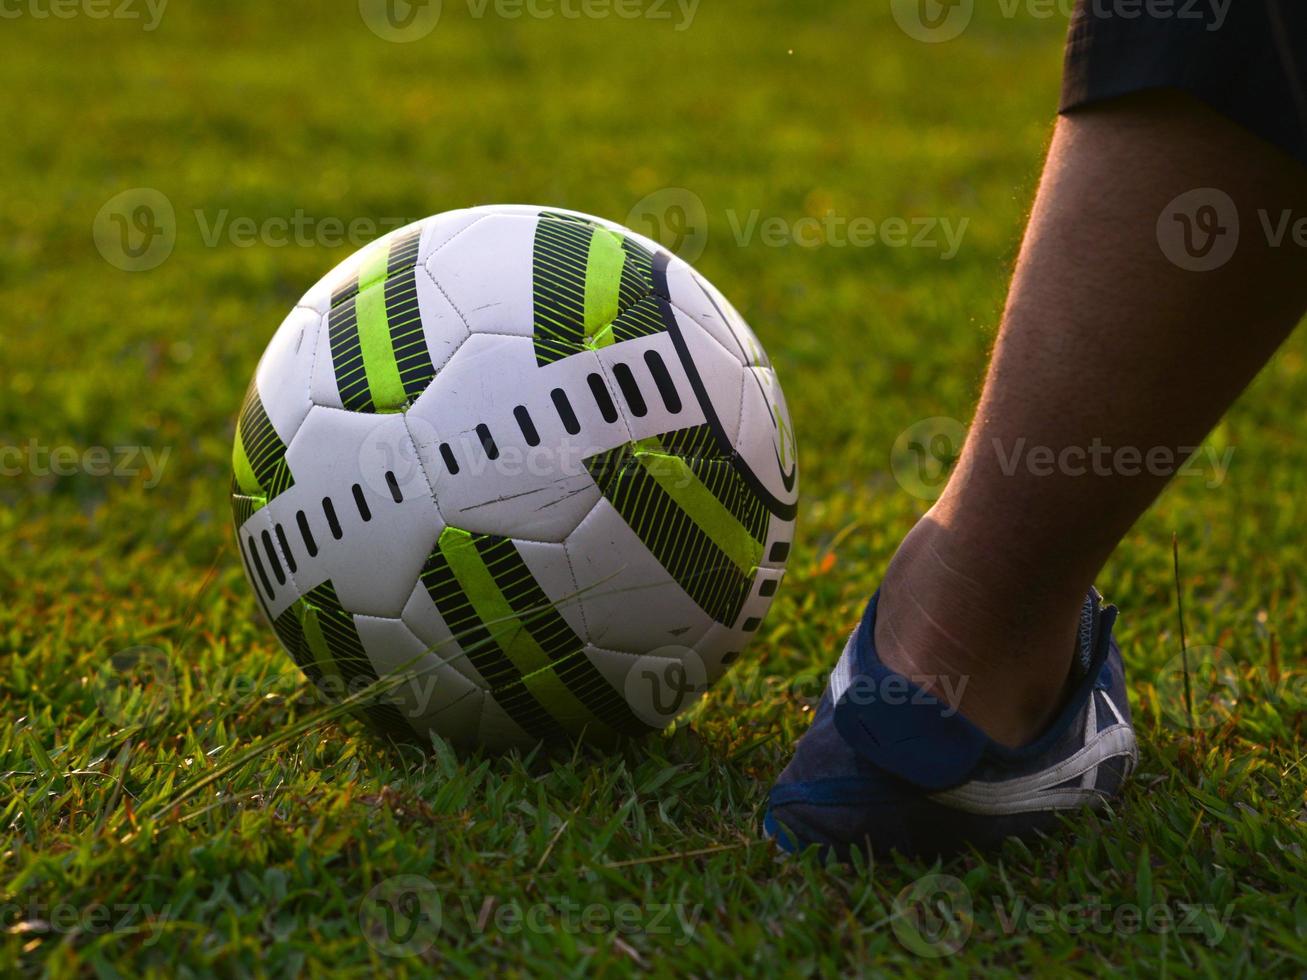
(511,475)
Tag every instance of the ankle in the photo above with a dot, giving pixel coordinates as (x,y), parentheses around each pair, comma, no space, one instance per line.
(1003,663)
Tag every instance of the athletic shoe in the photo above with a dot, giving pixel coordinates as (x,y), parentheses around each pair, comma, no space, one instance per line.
(887,766)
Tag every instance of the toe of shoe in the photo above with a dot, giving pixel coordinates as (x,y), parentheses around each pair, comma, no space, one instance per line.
(828,796)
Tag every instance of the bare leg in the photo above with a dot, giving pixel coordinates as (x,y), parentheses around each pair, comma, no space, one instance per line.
(1104,342)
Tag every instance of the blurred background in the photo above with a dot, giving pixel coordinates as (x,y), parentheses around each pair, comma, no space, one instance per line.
(176,176)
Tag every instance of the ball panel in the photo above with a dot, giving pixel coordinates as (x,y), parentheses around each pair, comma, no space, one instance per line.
(506,440)
(649,386)
(441,324)
(700,303)
(720,373)
(368,519)
(421,686)
(282,377)
(323,389)
(766,441)
(324,639)
(753,352)
(423,618)
(483,271)
(441,229)
(657,685)
(551,568)
(627,596)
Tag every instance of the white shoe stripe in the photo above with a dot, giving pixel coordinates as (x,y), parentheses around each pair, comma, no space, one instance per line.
(1041,790)
(842,676)
(1091,729)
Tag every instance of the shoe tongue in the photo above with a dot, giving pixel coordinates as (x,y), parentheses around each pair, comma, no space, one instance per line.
(903,730)
(897,726)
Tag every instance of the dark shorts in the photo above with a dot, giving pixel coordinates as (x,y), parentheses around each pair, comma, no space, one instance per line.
(1245,58)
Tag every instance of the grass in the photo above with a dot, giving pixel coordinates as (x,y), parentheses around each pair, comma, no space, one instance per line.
(175,803)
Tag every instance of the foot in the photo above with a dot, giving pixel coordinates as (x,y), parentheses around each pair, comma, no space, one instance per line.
(888,766)
(1007,663)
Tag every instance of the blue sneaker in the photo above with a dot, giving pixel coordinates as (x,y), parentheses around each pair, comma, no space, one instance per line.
(886,766)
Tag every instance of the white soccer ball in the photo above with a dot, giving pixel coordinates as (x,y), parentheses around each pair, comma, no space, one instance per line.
(526,467)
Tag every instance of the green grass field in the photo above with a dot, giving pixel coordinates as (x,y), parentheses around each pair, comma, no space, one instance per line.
(176,802)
